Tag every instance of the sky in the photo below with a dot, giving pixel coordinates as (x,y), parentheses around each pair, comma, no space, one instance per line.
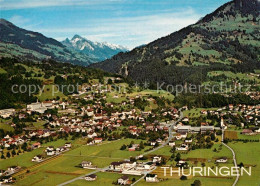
(128,23)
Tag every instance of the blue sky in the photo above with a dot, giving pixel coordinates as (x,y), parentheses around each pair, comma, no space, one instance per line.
(125,22)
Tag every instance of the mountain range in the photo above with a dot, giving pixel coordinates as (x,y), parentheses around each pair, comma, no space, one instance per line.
(227,39)
(100,51)
(24,44)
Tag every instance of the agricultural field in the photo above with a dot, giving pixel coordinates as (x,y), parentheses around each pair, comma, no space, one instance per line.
(107,152)
(231,75)
(248,153)
(193,113)
(144,93)
(50,92)
(230,135)
(5,124)
(24,160)
(236,134)
(66,166)
(204,181)
(2,71)
(103,178)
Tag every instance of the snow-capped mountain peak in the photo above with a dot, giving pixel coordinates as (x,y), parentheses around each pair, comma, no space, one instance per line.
(100,50)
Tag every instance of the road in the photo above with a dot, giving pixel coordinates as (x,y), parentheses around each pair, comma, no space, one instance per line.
(81,177)
(171,125)
(234,156)
(148,172)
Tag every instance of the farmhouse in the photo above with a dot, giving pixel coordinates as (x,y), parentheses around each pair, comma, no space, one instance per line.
(91,177)
(115,166)
(247,132)
(183,147)
(124,180)
(37,158)
(157,159)
(222,160)
(171,143)
(36,145)
(97,140)
(182,163)
(151,178)
(86,164)
(68,145)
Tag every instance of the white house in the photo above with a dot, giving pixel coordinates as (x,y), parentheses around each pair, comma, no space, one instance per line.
(86,164)
(68,145)
(183,147)
(97,140)
(37,158)
(157,159)
(50,153)
(91,177)
(151,178)
(123,180)
(222,160)
(171,143)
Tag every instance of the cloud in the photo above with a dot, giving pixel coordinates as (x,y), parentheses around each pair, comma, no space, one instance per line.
(23,4)
(19,20)
(130,31)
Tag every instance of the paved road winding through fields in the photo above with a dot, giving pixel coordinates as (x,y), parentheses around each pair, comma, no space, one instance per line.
(234,156)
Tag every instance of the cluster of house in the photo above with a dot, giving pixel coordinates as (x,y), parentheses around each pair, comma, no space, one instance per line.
(126,168)
(129,167)
(6,175)
(249,112)
(134,167)
(7,141)
(50,151)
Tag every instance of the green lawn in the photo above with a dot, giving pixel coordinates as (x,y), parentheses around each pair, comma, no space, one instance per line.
(102,155)
(103,179)
(242,136)
(65,167)
(195,112)
(204,181)
(24,160)
(6,127)
(144,93)
(36,125)
(5,124)
(2,71)
(231,75)
(248,153)
(50,92)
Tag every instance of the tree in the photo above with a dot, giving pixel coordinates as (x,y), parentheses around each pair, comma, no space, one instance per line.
(212,136)
(196,183)
(178,157)
(123,147)
(3,156)
(208,140)
(141,145)
(109,81)
(13,152)
(241,164)
(8,155)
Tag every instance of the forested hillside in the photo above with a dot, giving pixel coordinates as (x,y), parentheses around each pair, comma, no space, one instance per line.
(227,39)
